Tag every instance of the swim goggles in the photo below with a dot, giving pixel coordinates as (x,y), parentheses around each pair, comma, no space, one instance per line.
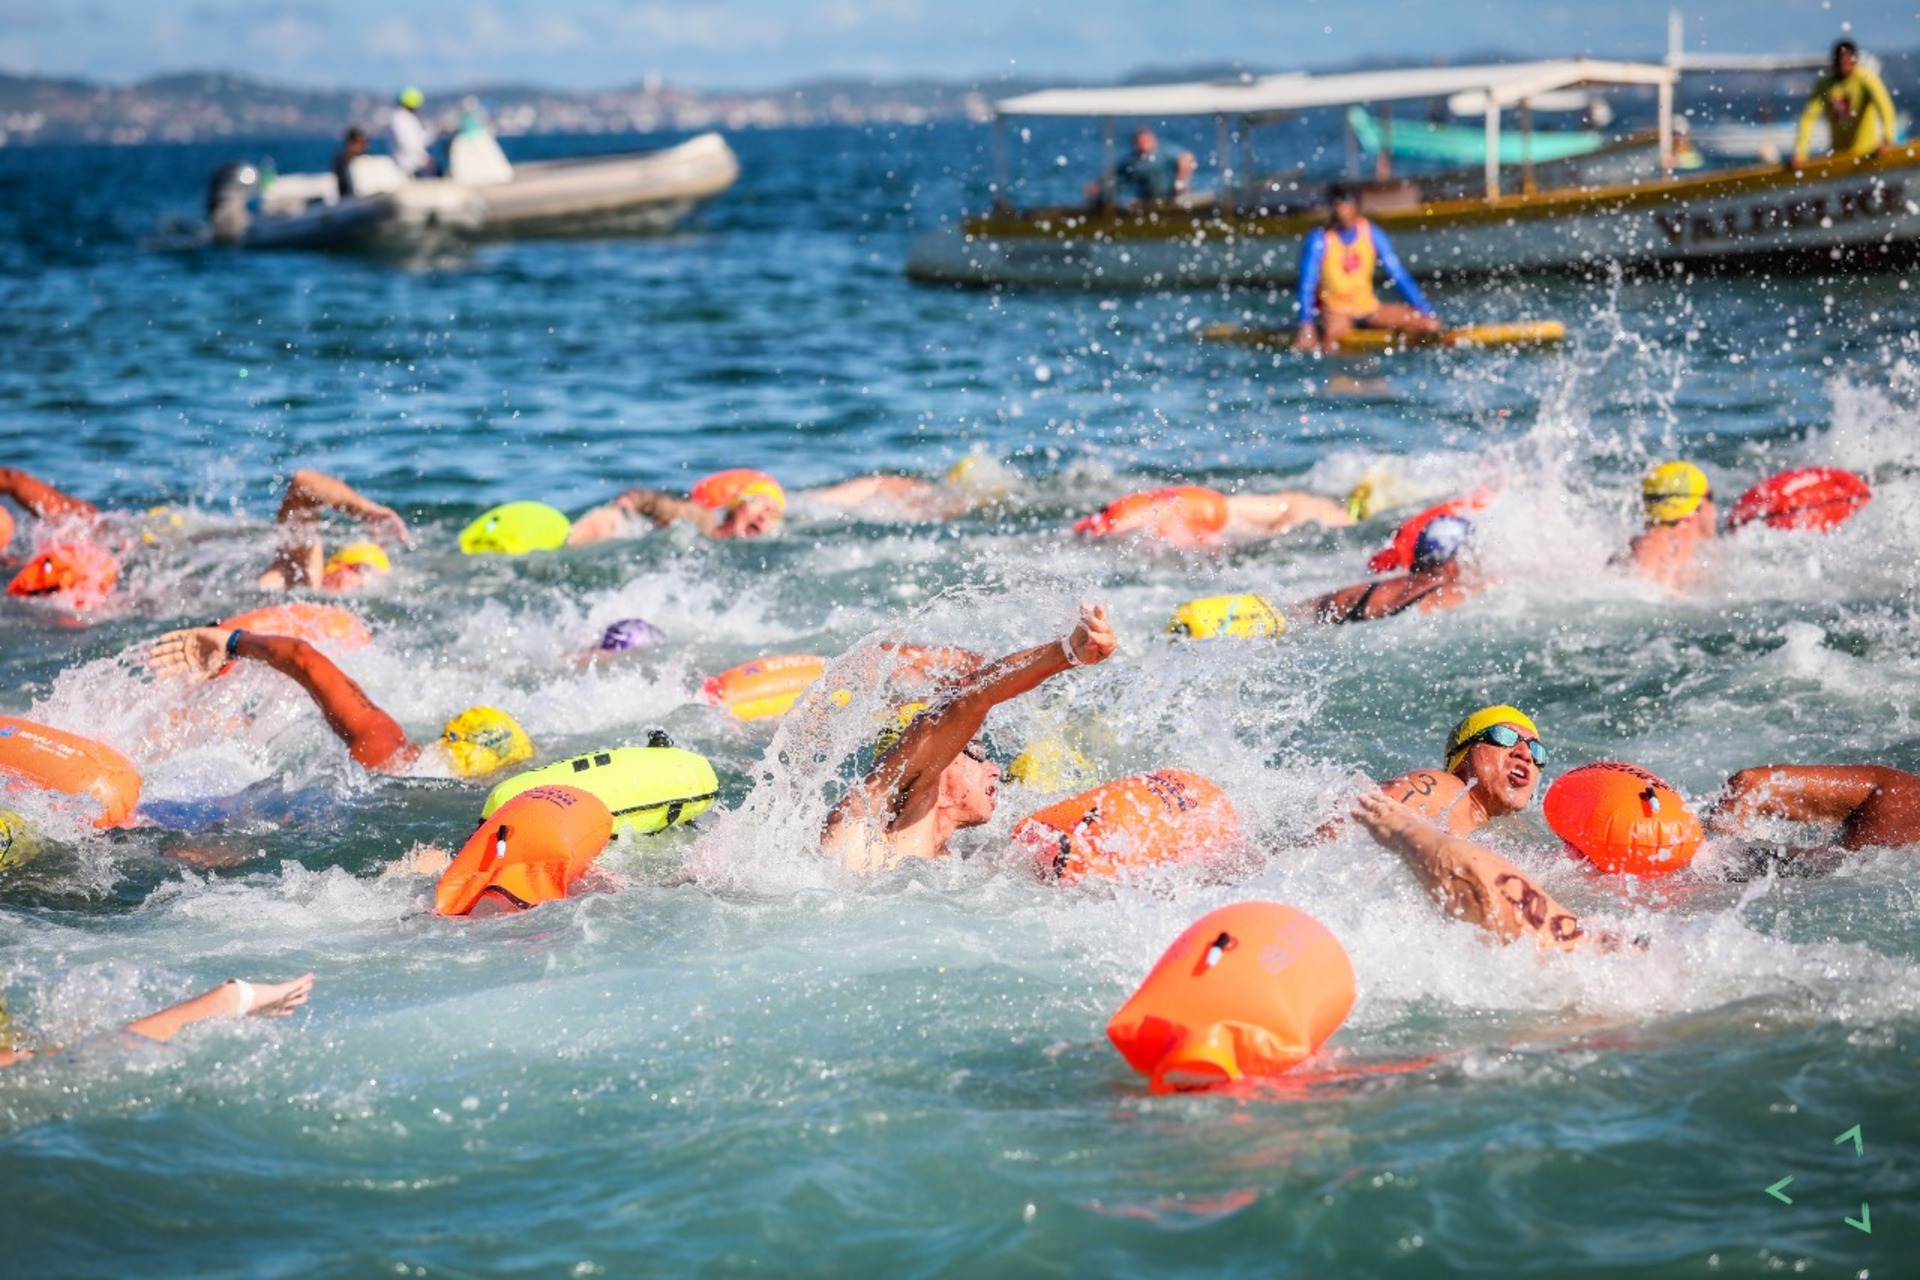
(1505,736)
(977,750)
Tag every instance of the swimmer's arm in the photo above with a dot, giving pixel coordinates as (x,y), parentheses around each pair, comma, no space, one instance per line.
(310,492)
(41,498)
(372,736)
(905,782)
(664,509)
(231,999)
(1470,883)
(1279,512)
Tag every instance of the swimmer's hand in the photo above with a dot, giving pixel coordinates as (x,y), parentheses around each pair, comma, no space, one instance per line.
(196,653)
(272,999)
(1387,820)
(1092,640)
(1308,338)
(385,522)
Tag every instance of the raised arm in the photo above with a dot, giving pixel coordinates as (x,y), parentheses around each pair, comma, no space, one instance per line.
(311,492)
(904,783)
(372,736)
(41,498)
(1470,883)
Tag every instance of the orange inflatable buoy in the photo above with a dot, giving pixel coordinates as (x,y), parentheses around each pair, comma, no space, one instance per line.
(6,528)
(1249,990)
(724,489)
(1185,515)
(1622,819)
(1812,498)
(528,851)
(54,760)
(1169,815)
(79,572)
(766,688)
(307,620)
(1398,554)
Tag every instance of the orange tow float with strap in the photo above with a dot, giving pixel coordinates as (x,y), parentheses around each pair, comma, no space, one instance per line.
(1184,515)
(1252,989)
(52,759)
(6,528)
(1167,816)
(765,688)
(80,573)
(1818,499)
(530,850)
(1622,819)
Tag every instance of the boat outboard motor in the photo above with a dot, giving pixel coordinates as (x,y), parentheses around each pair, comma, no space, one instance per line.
(230,189)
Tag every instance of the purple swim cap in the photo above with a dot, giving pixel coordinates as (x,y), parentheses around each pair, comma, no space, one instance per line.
(631,633)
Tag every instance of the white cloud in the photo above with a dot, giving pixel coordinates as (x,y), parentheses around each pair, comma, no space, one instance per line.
(392,38)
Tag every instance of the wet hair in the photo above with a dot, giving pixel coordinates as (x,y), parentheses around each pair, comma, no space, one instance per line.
(1843,46)
(1340,192)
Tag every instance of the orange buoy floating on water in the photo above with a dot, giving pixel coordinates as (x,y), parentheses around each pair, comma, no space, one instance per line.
(307,620)
(1812,498)
(79,572)
(1398,554)
(1169,815)
(6,528)
(1184,515)
(1249,990)
(724,489)
(765,688)
(52,759)
(530,850)
(1622,819)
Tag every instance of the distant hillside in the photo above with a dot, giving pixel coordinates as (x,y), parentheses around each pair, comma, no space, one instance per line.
(194,107)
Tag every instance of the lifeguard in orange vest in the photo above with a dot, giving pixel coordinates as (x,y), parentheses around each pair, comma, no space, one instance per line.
(1336,280)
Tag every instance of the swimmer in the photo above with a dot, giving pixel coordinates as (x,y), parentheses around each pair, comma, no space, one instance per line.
(302,559)
(1470,883)
(1438,580)
(1680,519)
(1493,762)
(233,998)
(477,741)
(1193,516)
(752,507)
(1874,807)
(967,486)
(938,778)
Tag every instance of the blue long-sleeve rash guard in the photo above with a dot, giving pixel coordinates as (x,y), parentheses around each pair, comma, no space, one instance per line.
(1315,252)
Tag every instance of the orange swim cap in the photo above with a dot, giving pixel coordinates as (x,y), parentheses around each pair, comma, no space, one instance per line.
(724,490)
(79,571)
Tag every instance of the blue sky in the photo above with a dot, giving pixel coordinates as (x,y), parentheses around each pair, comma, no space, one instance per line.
(586,44)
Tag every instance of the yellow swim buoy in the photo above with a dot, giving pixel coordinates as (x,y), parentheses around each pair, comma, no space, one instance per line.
(515,529)
(1242,617)
(647,789)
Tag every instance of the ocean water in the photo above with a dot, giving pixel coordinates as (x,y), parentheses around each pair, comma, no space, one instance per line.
(733,1060)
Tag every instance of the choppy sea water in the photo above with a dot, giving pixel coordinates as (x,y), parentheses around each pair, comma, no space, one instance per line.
(773,1069)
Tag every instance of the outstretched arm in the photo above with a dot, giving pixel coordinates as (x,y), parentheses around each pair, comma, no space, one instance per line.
(301,554)
(41,498)
(904,784)
(372,736)
(1368,601)
(231,999)
(1470,883)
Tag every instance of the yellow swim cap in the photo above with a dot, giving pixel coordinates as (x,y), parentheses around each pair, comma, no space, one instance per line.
(1050,764)
(412,98)
(16,844)
(767,488)
(890,734)
(1480,721)
(1241,617)
(482,739)
(1673,491)
(1360,500)
(359,555)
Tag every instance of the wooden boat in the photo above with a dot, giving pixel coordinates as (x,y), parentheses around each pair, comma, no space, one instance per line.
(1834,213)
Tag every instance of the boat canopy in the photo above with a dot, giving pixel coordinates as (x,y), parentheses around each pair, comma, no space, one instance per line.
(1495,87)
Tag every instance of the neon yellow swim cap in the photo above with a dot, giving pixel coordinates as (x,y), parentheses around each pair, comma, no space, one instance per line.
(1480,721)
(482,739)
(1673,491)
(890,734)
(412,98)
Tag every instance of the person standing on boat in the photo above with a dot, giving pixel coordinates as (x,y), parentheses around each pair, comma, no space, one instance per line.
(352,147)
(408,135)
(1336,280)
(1148,174)
(1858,110)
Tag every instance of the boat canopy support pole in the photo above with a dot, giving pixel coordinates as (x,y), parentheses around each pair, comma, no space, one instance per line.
(1110,196)
(1383,163)
(1223,147)
(1002,192)
(1526,146)
(1666,126)
(1493,148)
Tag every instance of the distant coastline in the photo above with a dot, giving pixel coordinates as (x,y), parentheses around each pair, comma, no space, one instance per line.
(205,107)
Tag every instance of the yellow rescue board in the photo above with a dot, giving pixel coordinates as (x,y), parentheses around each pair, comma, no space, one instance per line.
(1525,333)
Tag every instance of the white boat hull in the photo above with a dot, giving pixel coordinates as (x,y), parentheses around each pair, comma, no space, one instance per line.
(1838,212)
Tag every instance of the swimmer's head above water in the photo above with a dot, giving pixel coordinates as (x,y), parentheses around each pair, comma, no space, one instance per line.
(1498,750)
(1440,543)
(1673,491)
(354,564)
(482,739)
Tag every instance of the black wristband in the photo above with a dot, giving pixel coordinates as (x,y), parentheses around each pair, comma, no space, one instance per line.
(233,644)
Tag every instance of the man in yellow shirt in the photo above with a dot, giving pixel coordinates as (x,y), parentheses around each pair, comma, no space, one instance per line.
(1858,110)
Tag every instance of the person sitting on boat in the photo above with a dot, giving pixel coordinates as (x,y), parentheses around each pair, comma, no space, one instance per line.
(1439,579)
(302,559)
(1858,110)
(477,741)
(939,777)
(1680,520)
(1148,174)
(408,136)
(1336,280)
(351,148)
